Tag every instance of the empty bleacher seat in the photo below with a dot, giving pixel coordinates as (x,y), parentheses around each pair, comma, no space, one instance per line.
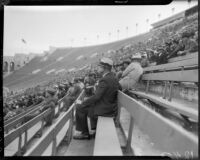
(106,140)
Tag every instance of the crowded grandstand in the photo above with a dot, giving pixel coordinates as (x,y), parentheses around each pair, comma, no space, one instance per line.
(155,71)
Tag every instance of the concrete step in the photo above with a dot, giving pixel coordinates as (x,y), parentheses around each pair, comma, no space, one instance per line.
(80,148)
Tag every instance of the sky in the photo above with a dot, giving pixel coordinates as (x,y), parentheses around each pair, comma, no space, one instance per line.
(75,26)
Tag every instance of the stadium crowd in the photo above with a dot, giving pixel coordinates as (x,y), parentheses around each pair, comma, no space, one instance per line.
(177,39)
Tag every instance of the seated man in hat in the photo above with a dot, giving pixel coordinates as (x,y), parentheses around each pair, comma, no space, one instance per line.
(132,73)
(102,103)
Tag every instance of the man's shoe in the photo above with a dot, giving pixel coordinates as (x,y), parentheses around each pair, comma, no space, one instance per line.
(81,136)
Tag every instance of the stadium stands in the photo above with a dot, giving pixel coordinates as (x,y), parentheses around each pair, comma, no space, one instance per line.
(161,115)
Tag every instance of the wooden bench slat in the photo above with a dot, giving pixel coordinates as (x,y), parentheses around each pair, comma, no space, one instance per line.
(22,114)
(180,76)
(183,109)
(185,63)
(106,140)
(180,58)
(49,137)
(19,120)
(13,135)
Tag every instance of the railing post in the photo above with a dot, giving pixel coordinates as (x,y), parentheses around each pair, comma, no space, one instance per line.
(25,141)
(40,132)
(170,91)
(54,144)
(71,125)
(19,144)
(165,90)
(118,115)
(69,134)
(130,132)
(147,87)
(42,126)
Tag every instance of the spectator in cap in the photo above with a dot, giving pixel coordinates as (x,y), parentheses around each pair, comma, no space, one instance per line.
(132,73)
(102,103)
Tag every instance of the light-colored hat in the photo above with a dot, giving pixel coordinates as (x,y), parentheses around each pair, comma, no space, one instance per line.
(136,56)
(106,61)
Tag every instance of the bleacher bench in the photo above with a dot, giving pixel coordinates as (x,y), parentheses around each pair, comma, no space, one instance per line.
(106,140)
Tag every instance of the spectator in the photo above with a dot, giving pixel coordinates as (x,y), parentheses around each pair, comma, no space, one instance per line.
(72,94)
(176,46)
(66,84)
(132,73)
(161,58)
(89,86)
(144,61)
(61,91)
(188,45)
(50,102)
(151,55)
(102,103)
(119,71)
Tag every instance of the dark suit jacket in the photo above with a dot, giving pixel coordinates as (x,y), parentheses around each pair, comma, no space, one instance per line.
(104,101)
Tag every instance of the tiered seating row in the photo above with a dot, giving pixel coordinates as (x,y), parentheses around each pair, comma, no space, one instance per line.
(29,127)
(50,140)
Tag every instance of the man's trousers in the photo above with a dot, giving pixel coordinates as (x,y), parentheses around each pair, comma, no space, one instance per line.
(81,118)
